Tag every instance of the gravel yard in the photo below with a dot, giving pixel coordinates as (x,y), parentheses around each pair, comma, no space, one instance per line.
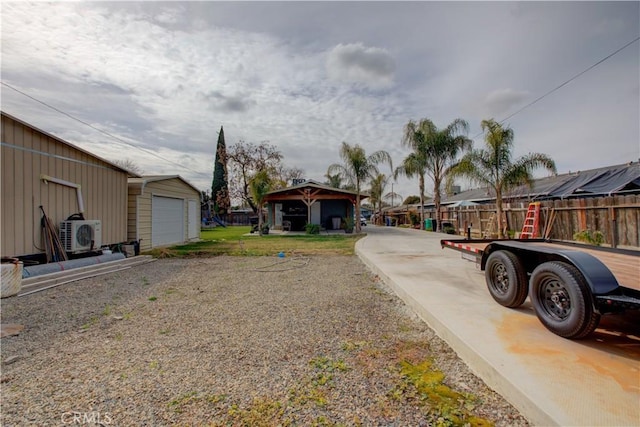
(234,341)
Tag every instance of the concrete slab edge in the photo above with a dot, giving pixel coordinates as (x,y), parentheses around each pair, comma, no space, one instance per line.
(480,366)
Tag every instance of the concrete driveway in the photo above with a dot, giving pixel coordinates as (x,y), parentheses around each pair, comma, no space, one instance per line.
(551,380)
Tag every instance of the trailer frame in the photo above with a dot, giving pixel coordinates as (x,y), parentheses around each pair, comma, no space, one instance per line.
(570,285)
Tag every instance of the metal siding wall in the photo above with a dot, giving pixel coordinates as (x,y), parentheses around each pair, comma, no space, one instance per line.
(104,190)
(33,222)
(20,176)
(132,215)
(8,191)
(144,220)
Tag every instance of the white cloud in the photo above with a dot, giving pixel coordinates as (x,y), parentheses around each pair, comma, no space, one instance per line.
(166,76)
(355,63)
(501,102)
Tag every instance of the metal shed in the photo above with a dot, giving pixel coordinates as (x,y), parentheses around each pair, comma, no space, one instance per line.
(163,210)
(39,169)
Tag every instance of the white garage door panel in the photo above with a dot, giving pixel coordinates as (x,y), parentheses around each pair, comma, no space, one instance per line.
(167,221)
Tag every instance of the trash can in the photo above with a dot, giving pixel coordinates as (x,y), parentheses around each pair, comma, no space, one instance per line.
(428,225)
(11,277)
(335,222)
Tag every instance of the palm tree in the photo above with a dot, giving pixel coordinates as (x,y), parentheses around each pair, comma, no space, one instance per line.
(378,184)
(357,168)
(334,181)
(434,152)
(493,167)
(259,186)
(415,164)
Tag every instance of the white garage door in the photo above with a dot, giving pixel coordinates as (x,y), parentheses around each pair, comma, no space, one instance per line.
(167,221)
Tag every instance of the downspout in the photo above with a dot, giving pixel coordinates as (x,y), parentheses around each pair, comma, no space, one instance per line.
(47,179)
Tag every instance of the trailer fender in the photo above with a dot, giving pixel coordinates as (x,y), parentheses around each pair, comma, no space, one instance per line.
(596,274)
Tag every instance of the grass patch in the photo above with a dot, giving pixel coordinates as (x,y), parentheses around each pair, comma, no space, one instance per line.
(107,310)
(179,403)
(233,241)
(92,321)
(263,412)
(423,384)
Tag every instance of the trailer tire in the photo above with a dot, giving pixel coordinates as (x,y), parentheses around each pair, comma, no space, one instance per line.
(506,279)
(562,300)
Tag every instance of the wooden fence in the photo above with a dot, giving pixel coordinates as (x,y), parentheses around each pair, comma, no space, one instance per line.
(615,217)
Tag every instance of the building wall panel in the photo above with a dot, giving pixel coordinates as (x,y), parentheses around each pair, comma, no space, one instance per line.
(144,220)
(27,154)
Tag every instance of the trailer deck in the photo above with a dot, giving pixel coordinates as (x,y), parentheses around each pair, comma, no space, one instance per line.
(624,267)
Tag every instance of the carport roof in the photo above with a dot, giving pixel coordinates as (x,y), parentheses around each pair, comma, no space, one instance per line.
(318,191)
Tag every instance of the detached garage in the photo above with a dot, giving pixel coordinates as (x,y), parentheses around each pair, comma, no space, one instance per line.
(162,211)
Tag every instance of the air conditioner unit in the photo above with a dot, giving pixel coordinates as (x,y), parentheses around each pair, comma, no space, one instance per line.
(81,236)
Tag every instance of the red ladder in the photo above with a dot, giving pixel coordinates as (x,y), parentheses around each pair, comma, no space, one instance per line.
(531,221)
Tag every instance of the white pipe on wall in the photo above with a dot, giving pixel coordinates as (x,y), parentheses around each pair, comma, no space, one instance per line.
(47,179)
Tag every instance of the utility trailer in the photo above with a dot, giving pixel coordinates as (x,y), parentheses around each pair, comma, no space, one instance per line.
(570,285)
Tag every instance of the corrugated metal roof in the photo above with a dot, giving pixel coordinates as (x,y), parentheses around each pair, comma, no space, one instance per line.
(75,147)
(609,180)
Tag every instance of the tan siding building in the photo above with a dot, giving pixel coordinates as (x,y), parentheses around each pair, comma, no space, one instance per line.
(39,169)
(163,210)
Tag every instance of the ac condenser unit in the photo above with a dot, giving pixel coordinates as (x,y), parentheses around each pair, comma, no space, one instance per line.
(81,236)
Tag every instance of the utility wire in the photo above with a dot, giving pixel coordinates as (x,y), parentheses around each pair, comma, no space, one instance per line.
(565,83)
(99,130)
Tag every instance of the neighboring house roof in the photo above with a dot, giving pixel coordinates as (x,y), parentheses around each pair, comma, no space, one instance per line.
(477,195)
(62,141)
(605,181)
(144,180)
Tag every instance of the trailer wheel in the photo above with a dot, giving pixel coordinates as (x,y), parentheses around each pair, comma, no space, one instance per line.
(506,279)
(562,300)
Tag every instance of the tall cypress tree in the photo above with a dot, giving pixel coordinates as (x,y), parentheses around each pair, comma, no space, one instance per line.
(220,187)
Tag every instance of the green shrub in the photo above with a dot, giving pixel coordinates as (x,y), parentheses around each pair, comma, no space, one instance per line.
(348,225)
(414,219)
(312,228)
(449,230)
(587,236)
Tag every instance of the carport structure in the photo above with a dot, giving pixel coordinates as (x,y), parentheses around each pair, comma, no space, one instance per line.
(310,203)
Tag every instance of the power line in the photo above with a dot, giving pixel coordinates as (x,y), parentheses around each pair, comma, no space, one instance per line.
(99,130)
(566,82)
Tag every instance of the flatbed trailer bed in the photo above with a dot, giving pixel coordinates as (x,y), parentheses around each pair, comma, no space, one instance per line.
(570,285)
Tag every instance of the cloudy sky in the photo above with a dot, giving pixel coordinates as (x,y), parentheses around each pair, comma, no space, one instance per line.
(161,78)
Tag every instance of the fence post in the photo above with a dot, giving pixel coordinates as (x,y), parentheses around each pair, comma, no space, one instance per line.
(614,227)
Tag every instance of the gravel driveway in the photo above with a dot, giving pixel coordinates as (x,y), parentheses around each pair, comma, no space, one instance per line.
(233,341)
